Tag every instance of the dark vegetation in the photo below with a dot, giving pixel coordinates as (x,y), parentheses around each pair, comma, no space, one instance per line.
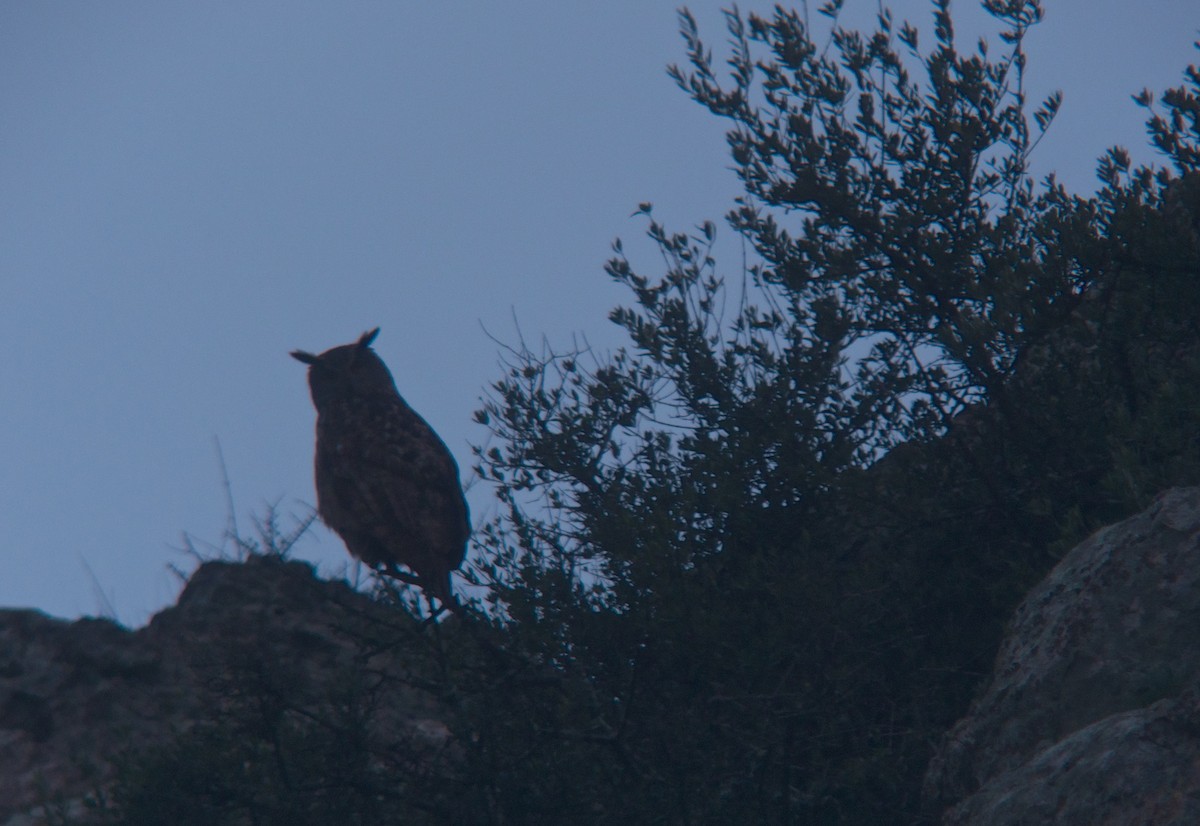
(750,568)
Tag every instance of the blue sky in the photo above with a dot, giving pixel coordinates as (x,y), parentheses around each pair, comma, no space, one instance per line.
(190,190)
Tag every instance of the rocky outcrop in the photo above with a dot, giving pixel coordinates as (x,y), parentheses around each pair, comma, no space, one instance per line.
(75,694)
(1093,712)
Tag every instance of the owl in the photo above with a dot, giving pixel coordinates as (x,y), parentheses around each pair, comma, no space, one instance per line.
(385,482)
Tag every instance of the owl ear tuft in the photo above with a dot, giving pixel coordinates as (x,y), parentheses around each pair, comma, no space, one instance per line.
(367,338)
(307,358)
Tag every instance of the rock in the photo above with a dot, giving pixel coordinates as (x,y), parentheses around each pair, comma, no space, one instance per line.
(74,695)
(1092,714)
(67,692)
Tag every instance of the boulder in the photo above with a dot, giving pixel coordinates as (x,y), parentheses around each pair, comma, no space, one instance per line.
(1092,713)
(75,695)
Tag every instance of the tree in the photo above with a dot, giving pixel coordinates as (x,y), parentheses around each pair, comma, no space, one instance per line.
(778,542)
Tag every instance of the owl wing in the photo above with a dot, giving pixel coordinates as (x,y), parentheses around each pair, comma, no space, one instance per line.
(426,495)
(397,485)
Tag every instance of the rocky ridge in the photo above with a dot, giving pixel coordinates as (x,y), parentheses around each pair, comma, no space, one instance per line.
(73,695)
(1092,714)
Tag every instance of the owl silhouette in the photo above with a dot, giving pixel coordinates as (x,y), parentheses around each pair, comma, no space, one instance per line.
(385,482)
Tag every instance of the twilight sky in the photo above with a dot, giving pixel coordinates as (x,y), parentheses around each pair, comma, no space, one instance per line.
(189,190)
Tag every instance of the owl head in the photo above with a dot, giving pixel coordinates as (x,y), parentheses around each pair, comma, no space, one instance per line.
(351,371)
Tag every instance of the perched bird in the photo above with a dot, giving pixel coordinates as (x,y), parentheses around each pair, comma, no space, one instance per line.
(385,482)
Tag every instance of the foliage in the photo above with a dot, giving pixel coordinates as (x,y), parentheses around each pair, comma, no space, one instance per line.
(701,527)
(749,568)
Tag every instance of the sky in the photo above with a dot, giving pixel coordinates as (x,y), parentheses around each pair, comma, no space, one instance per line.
(190,190)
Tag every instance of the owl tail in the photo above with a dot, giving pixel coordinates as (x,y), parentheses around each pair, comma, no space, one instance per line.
(439,588)
(435,587)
